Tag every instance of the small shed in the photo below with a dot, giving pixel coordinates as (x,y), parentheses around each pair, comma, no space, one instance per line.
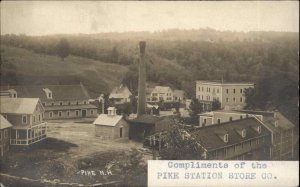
(111,125)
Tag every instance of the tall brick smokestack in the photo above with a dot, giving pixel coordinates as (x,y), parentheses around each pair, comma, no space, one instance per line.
(141,109)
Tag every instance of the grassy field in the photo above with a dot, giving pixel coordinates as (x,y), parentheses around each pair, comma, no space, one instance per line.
(69,148)
(33,68)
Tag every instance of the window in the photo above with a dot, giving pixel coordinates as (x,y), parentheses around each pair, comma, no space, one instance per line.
(233,90)
(259,129)
(207,89)
(49,95)
(50,114)
(217,90)
(92,111)
(77,113)
(199,88)
(204,121)
(59,114)
(243,133)
(44,104)
(234,99)
(227,91)
(250,142)
(202,89)
(219,121)
(52,104)
(33,118)
(241,90)
(125,101)
(241,117)
(5,133)
(227,100)
(214,90)
(24,119)
(241,99)
(202,97)
(0,135)
(77,103)
(15,96)
(60,103)
(226,138)
(39,117)
(230,118)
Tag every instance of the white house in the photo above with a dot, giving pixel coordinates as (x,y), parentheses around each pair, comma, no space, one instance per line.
(120,95)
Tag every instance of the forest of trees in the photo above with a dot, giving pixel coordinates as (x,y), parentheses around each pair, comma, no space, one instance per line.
(178,58)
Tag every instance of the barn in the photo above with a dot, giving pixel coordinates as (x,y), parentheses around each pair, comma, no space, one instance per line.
(111,125)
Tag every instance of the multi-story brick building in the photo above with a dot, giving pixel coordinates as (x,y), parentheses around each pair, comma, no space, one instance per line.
(59,101)
(229,94)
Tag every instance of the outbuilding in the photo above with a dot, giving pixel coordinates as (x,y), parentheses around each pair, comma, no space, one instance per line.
(111,125)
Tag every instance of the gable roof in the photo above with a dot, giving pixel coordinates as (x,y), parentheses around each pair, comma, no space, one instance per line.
(104,119)
(4,123)
(18,105)
(269,119)
(162,89)
(59,92)
(120,92)
(209,138)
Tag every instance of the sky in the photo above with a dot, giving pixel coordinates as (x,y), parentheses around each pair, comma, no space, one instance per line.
(72,17)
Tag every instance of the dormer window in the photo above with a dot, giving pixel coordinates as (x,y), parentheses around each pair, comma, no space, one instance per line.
(243,133)
(257,129)
(223,135)
(276,123)
(48,93)
(226,138)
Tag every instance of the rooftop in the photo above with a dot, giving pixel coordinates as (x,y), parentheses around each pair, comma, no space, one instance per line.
(220,82)
(18,105)
(209,138)
(4,123)
(106,120)
(59,92)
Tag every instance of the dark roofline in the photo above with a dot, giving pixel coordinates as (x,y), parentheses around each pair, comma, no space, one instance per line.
(227,122)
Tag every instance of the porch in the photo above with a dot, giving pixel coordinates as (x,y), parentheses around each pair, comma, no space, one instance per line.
(28,135)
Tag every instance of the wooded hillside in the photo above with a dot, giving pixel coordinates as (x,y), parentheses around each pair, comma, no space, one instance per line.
(175,57)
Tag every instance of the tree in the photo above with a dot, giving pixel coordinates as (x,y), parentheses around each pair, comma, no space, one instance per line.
(114,55)
(63,48)
(216,105)
(131,168)
(180,145)
(195,109)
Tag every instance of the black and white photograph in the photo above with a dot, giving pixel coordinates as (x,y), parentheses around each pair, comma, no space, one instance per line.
(92,92)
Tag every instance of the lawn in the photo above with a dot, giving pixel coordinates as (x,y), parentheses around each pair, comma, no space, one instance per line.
(70,148)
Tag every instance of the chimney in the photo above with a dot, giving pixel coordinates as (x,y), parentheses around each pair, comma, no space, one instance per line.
(141,109)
